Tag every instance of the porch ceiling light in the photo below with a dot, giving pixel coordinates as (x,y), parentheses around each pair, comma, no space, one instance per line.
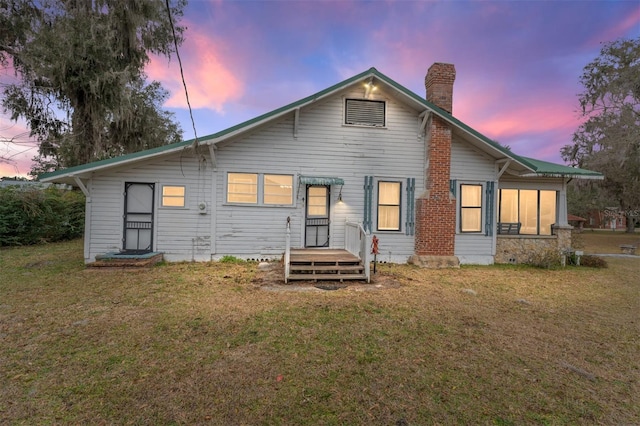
(369,87)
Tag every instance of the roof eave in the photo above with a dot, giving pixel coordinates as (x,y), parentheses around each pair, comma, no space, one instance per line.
(564,175)
(84,171)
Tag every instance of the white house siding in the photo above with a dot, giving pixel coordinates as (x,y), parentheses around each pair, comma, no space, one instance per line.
(472,167)
(181,233)
(323,147)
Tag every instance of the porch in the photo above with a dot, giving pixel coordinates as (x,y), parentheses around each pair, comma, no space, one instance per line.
(325,264)
(351,263)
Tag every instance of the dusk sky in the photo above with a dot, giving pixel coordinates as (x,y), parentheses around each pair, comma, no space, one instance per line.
(518,63)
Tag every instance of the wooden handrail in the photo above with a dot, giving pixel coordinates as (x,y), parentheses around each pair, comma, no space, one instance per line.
(357,242)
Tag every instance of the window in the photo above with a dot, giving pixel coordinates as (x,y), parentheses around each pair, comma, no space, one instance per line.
(317,197)
(364,113)
(242,188)
(547,211)
(508,206)
(260,189)
(389,206)
(278,189)
(534,209)
(173,196)
(470,208)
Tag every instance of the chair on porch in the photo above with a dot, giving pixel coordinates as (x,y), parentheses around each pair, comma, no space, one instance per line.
(509,228)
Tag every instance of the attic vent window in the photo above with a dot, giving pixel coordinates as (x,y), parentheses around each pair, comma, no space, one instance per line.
(365,113)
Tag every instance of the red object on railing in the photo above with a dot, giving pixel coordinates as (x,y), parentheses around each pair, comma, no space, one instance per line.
(374,245)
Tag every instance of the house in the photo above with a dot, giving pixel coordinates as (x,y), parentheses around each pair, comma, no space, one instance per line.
(577,222)
(365,156)
(609,218)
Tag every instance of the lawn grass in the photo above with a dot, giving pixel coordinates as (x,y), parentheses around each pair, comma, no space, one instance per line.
(605,241)
(205,344)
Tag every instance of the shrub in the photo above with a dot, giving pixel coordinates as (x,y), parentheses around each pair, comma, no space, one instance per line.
(593,261)
(36,215)
(547,258)
(230,259)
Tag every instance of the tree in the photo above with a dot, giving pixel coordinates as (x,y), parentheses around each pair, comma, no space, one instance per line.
(609,141)
(80,66)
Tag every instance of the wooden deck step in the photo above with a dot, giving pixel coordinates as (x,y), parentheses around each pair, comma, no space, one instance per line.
(306,267)
(332,277)
(325,264)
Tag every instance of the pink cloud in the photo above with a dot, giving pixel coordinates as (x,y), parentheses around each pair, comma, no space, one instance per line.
(507,124)
(210,80)
(630,22)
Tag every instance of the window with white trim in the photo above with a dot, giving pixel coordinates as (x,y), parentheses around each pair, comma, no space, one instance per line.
(389,194)
(470,208)
(242,188)
(278,189)
(173,195)
(260,189)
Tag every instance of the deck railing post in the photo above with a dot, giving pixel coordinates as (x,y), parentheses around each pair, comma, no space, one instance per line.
(366,254)
(287,250)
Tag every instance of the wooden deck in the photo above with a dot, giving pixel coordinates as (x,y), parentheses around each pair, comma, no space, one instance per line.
(322,255)
(325,264)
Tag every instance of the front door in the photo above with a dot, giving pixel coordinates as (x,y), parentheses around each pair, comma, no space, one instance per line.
(317,216)
(138,217)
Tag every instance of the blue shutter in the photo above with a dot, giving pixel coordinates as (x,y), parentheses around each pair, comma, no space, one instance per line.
(490,194)
(453,186)
(368,197)
(411,211)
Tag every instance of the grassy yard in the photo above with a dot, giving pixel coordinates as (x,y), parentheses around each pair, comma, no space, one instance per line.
(606,241)
(207,344)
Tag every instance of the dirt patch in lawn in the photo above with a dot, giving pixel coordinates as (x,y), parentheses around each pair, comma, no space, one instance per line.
(270,277)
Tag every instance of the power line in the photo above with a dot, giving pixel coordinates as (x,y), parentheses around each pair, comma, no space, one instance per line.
(186,92)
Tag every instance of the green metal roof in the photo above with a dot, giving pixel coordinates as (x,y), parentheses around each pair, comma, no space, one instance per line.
(528,163)
(114,161)
(544,168)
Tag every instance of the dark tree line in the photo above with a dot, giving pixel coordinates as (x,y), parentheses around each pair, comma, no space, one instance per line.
(609,140)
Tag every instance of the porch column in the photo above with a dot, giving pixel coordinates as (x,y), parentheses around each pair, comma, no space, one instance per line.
(562,206)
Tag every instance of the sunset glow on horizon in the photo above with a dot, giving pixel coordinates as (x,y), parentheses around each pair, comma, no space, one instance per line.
(518,63)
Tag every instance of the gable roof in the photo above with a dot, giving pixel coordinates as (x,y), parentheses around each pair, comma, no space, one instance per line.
(527,166)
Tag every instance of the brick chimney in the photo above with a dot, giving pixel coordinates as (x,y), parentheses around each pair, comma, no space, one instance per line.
(436,208)
(439,84)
